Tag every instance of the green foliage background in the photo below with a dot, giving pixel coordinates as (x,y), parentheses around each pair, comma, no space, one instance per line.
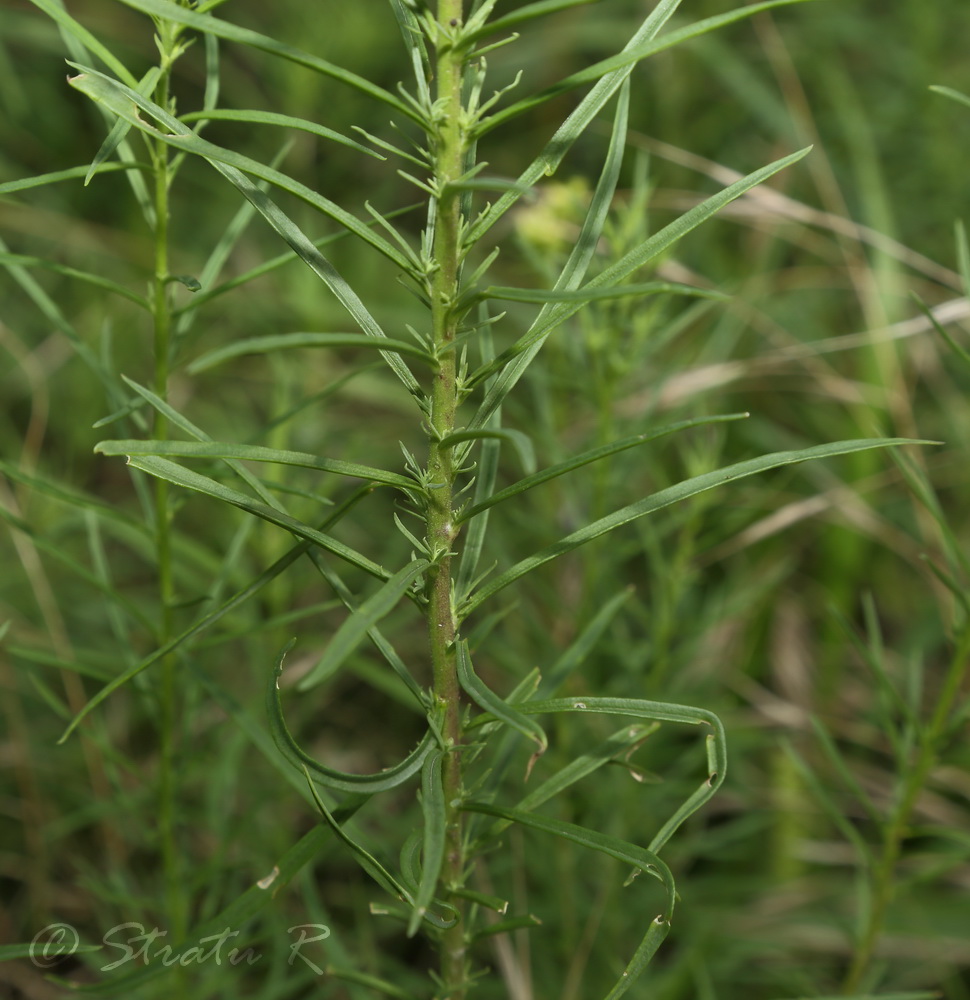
(744,600)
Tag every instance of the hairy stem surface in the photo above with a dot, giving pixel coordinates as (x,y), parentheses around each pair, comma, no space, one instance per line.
(449,151)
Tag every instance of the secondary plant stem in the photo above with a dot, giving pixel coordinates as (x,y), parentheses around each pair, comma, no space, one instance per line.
(883,878)
(449,152)
(161,310)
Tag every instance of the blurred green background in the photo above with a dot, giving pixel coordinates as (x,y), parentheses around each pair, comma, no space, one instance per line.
(743,600)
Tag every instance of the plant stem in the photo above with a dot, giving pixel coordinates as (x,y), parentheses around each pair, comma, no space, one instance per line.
(168,696)
(883,878)
(449,151)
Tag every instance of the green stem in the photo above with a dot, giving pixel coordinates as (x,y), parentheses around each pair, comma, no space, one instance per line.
(883,877)
(449,147)
(175,904)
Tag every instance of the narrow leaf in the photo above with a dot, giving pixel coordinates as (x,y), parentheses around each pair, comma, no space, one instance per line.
(283,121)
(546,163)
(118,99)
(584,295)
(352,632)
(628,58)
(56,176)
(636,258)
(954,95)
(290,341)
(586,457)
(72,272)
(433,853)
(529,12)
(163,469)
(339,781)
(291,233)
(671,495)
(255,453)
(207,24)
(576,265)
(121,128)
(489,701)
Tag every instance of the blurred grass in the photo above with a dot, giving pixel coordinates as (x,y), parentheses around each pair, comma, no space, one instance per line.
(734,598)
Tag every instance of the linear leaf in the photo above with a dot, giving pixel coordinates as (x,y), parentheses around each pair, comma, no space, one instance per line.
(485,478)
(207,24)
(527,13)
(351,633)
(584,295)
(56,12)
(207,620)
(291,233)
(671,495)
(614,847)
(119,131)
(641,859)
(547,162)
(118,99)
(73,272)
(620,742)
(382,645)
(586,457)
(56,176)
(716,741)
(365,859)
(657,244)
(954,95)
(174,473)
(184,424)
(435,824)
(283,121)
(291,341)
(489,701)
(628,58)
(255,453)
(339,781)
(576,264)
